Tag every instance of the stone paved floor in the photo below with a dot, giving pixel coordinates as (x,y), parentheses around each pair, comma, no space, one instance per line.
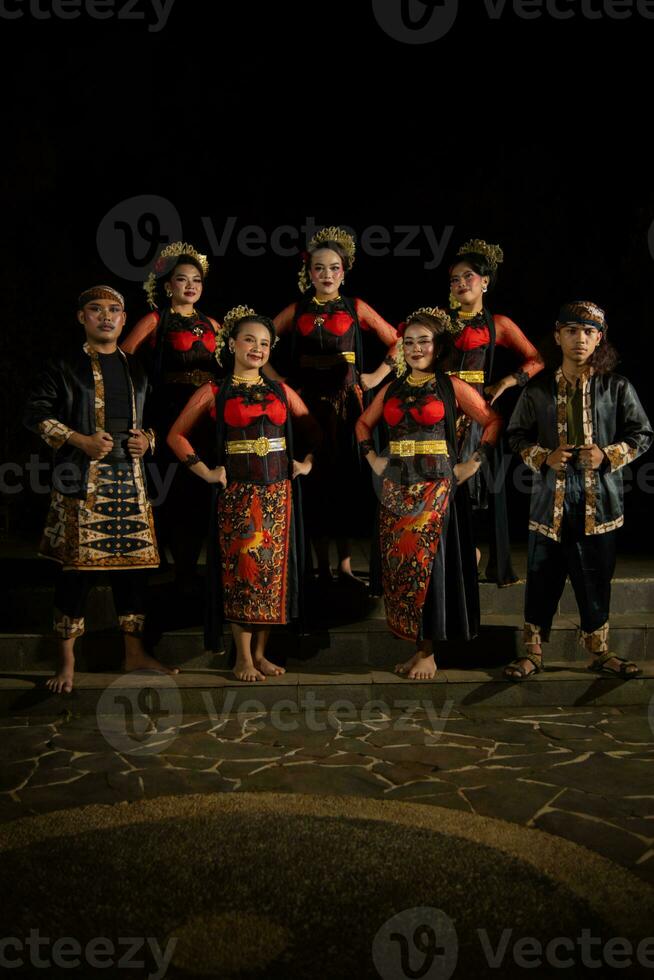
(585,774)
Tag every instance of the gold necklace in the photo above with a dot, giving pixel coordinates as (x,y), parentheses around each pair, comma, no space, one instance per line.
(330,299)
(247,381)
(420,381)
(173,310)
(463,315)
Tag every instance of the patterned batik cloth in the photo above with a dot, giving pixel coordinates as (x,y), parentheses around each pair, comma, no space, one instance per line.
(253,540)
(111,527)
(410,524)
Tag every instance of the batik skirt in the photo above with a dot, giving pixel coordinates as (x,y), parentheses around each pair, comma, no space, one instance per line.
(254,530)
(448,607)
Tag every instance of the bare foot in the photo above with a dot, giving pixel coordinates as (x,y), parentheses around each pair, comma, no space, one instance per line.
(62,681)
(268,668)
(143,661)
(421,667)
(244,670)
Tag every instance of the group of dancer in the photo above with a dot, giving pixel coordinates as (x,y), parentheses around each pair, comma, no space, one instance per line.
(186,389)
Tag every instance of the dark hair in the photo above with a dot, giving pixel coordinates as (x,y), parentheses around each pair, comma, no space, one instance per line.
(334,247)
(254,318)
(603,359)
(437,329)
(478,263)
(183,260)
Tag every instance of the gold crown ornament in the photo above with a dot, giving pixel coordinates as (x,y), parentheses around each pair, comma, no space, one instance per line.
(171,251)
(326,235)
(493,253)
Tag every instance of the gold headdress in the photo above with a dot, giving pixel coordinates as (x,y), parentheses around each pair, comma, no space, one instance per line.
(493,253)
(236,314)
(173,250)
(230,321)
(326,235)
(434,311)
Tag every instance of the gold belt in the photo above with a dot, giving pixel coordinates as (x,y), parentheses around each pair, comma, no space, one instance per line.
(323,361)
(195,377)
(472,377)
(410,447)
(261,446)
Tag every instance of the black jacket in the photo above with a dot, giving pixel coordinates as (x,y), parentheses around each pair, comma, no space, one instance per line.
(613,419)
(68,397)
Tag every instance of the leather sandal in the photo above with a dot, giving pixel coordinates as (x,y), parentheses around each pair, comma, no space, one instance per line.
(515,670)
(626,669)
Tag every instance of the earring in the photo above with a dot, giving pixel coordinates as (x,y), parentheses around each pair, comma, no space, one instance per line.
(484,289)
(169,291)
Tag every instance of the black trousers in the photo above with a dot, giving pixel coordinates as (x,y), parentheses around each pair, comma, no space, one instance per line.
(71,593)
(589,560)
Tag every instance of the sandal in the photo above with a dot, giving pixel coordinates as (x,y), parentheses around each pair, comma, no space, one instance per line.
(516,672)
(626,669)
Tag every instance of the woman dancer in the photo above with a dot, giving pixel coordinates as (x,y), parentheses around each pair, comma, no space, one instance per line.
(325,331)
(427,594)
(256,543)
(179,345)
(472,360)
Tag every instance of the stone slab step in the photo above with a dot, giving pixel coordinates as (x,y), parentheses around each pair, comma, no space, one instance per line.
(368,643)
(218,693)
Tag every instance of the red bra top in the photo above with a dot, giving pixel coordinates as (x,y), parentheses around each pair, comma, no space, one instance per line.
(337,323)
(183,340)
(429,413)
(472,337)
(239,414)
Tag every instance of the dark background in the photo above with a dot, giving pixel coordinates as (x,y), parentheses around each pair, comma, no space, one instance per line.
(530,133)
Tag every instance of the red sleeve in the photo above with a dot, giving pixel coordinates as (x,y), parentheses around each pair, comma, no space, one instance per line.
(284,320)
(306,425)
(370,320)
(367,422)
(473,405)
(199,404)
(508,334)
(143,329)
(214,323)
(296,405)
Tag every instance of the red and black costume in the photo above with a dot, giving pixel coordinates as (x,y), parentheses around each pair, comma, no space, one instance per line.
(179,354)
(429,578)
(256,547)
(325,360)
(472,360)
